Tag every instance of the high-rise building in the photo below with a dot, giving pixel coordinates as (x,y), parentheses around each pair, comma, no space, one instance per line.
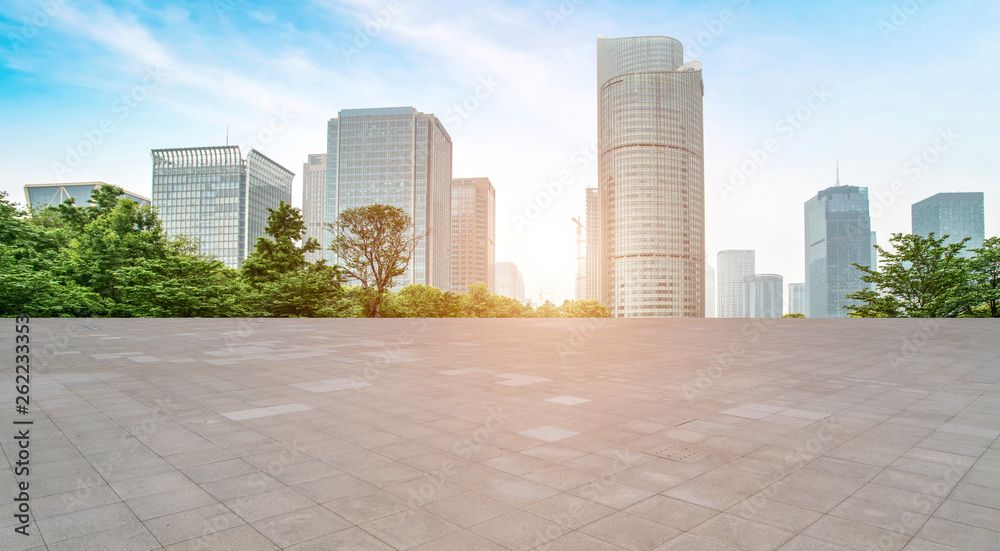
(473,233)
(510,281)
(763,295)
(218,197)
(313,184)
(651,178)
(958,215)
(401,157)
(837,235)
(733,266)
(593,258)
(796,298)
(709,291)
(51,195)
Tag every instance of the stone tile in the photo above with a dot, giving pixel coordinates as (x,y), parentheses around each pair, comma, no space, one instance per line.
(369,506)
(560,477)
(746,413)
(531,531)
(133,537)
(460,541)
(333,488)
(960,536)
(774,513)
(241,538)
(630,531)
(576,541)
(300,526)
(566,400)
(855,535)
(468,509)
(802,542)
(967,513)
(168,503)
(691,542)
(711,497)
(612,494)
(409,528)
(192,524)
(353,538)
(568,510)
(742,533)
(89,521)
(268,504)
(880,515)
(548,433)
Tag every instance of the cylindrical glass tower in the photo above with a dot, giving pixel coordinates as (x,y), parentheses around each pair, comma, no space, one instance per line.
(651,175)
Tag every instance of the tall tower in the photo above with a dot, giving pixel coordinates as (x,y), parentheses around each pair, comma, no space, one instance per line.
(763,296)
(313,184)
(473,241)
(401,157)
(709,291)
(837,235)
(958,215)
(217,196)
(651,179)
(734,266)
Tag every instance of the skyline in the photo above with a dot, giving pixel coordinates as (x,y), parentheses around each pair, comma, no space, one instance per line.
(865,91)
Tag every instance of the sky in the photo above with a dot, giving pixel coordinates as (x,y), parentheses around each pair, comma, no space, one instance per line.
(902,93)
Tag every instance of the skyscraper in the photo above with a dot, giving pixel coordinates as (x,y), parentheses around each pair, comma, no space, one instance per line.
(837,234)
(51,195)
(218,197)
(313,183)
(473,233)
(401,157)
(593,258)
(796,298)
(958,215)
(510,281)
(763,296)
(733,266)
(650,178)
(709,291)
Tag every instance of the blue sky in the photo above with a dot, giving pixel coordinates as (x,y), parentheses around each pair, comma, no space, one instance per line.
(871,83)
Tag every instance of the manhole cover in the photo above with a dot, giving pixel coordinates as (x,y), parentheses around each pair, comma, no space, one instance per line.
(683,454)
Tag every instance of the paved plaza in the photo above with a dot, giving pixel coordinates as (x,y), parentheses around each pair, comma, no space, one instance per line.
(482,435)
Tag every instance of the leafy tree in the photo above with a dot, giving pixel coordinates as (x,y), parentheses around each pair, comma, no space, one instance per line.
(546,310)
(984,269)
(584,309)
(373,248)
(479,302)
(923,277)
(794,315)
(280,254)
(426,301)
(25,289)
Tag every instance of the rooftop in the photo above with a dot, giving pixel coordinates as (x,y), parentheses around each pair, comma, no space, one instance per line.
(560,434)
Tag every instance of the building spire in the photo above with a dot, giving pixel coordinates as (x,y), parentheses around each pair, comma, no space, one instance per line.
(838,171)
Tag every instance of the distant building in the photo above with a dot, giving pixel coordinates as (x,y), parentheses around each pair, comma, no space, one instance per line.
(510,281)
(958,215)
(733,266)
(51,195)
(763,296)
(709,291)
(651,178)
(473,233)
(313,184)
(593,259)
(401,157)
(218,197)
(837,235)
(796,298)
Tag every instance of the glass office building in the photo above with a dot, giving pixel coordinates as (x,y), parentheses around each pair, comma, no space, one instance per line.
(473,234)
(958,215)
(796,298)
(395,156)
(510,281)
(650,178)
(734,266)
(837,235)
(51,195)
(216,196)
(313,186)
(593,256)
(763,296)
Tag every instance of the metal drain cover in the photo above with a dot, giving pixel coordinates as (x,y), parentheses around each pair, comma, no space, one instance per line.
(683,454)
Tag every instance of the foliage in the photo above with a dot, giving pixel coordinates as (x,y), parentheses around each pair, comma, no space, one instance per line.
(425,301)
(479,302)
(547,310)
(584,309)
(984,270)
(923,277)
(794,315)
(373,248)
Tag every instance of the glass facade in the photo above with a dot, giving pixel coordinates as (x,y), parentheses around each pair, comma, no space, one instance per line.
(473,237)
(51,195)
(401,157)
(796,298)
(593,258)
(217,197)
(734,266)
(650,178)
(958,215)
(313,185)
(837,235)
(510,281)
(763,296)
(709,291)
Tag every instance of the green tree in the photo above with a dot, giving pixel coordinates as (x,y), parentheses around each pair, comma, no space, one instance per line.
(426,301)
(374,245)
(922,277)
(479,302)
(794,315)
(984,270)
(284,283)
(547,310)
(584,309)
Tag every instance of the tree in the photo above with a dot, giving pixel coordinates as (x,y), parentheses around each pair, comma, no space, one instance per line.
(984,270)
(426,301)
(546,310)
(794,315)
(479,302)
(374,245)
(280,254)
(923,277)
(584,309)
